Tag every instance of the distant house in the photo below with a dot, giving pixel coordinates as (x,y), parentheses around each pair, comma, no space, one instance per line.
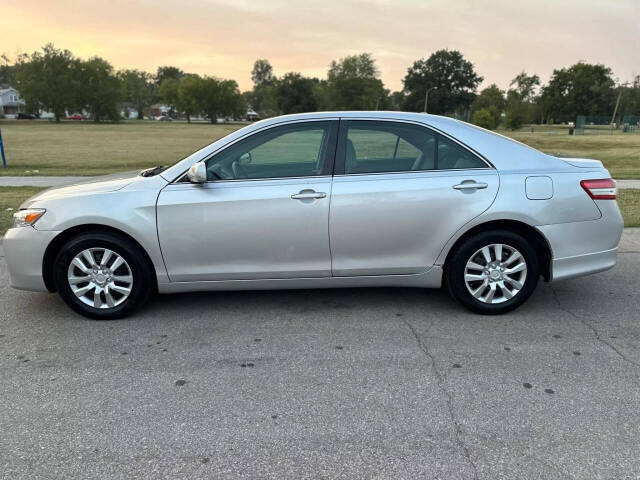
(157,110)
(252,115)
(10,101)
(128,110)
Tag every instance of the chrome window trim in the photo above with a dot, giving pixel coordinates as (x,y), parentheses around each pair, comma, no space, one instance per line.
(398,172)
(245,180)
(267,127)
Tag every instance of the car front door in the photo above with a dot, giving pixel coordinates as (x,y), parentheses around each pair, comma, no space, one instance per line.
(262,214)
(401,190)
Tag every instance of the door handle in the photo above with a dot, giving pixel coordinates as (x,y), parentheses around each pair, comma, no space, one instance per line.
(470,185)
(308,195)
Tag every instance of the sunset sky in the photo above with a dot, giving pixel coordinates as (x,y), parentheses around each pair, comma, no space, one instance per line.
(223,37)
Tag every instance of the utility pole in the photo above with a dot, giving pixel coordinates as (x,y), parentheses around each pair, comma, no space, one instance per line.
(615,110)
(426,98)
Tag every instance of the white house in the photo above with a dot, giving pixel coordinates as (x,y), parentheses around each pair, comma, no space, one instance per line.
(10,101)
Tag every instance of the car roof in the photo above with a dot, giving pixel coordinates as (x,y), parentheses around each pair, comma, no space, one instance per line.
(502,152)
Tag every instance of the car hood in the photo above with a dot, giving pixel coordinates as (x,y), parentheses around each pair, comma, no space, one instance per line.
(102,184)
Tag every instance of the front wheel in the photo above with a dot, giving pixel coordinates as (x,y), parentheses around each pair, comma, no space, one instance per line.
(103,276)
(493,272)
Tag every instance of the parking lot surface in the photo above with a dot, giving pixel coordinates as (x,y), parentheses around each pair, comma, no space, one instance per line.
(354,383)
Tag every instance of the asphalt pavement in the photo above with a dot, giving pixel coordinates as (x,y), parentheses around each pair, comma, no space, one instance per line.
(353,383)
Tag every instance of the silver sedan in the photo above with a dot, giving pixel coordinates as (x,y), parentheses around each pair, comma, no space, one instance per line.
(338,199)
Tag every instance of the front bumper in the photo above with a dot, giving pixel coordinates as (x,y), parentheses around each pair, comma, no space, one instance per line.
(24,249)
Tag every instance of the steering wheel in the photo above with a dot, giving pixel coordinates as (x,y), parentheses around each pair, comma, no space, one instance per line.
(238,170)
(220,172)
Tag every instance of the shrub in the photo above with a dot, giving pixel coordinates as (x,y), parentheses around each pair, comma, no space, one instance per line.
(484,118)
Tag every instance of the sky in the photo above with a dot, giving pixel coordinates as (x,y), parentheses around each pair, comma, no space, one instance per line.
(223,38)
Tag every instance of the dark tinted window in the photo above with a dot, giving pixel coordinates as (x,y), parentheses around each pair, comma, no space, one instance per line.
(294,150)
(378,146)
(451,155)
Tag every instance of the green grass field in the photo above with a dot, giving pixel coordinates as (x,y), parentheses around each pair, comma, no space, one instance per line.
(619,152)
(12,197)
(629,202)
(47,148)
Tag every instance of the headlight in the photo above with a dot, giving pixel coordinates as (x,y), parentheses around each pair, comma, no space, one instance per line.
(24,218)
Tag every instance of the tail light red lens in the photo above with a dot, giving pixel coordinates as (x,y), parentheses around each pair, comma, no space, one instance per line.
(600,189)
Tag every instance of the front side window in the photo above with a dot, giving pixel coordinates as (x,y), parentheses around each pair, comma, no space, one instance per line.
(379,146)
(293,150)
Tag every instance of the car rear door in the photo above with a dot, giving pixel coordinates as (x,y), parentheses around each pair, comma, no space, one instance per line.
(400,191)
(263,214)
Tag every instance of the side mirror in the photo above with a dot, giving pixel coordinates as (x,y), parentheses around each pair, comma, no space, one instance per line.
(197,173)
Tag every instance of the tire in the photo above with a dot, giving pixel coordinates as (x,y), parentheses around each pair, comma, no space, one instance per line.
(471,285)
(133,273)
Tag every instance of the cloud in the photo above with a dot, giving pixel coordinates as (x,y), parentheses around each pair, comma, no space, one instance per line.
(224,37)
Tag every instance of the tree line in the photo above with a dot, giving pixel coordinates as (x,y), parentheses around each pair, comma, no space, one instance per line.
(56,81)
(444,83)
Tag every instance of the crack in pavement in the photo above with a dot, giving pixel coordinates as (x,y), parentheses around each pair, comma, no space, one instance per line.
(440,378)
(595,331)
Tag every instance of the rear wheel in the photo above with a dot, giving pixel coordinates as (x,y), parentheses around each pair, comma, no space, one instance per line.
(103,276)
(492,272)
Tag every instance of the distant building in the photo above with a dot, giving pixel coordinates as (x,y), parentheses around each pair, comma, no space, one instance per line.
(128,111)
(157,110)
(252,115)
(10,101)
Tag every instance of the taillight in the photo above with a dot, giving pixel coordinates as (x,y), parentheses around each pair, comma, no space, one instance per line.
(600,189)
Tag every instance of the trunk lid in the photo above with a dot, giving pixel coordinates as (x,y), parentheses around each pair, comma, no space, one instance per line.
(582,162)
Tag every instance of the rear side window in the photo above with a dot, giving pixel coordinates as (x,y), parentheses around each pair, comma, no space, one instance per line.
(453,156)
(378,146)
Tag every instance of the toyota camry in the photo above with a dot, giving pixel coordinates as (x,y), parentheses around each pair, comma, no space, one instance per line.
(336,199)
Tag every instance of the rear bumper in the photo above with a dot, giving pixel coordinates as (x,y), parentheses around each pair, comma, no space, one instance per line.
(24,249)
(571,267)
(583,248)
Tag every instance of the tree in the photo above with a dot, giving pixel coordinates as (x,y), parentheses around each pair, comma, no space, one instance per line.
(169,92)
(232,102)
(47,80)
(353,83)
(168,72)
(396,101)
(137,89)
(526,86)
(263,96)
(450,80)
(8,71)
(582,89)
(491,99)
(262,72)
(188,95)
(99,89)
(295,94)
(517,112)
(486,117)
(219,97)
(629,99)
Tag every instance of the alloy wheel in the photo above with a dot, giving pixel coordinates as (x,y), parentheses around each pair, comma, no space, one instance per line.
(495,273)
(100,278)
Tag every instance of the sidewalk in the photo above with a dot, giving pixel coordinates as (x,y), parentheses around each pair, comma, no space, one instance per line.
(58,181)
(39,181)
